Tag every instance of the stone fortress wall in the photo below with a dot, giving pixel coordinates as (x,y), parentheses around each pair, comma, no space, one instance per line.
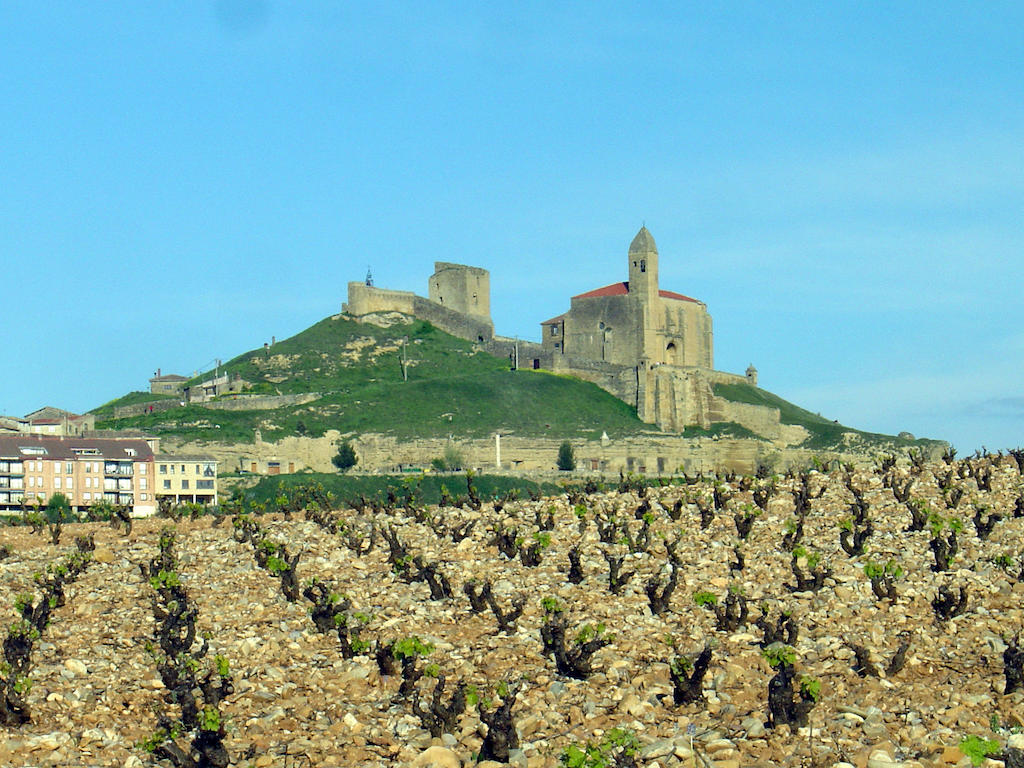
(461,288)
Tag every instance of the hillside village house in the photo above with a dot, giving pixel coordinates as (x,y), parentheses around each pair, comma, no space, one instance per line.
(48,421)
(186,478)
(87,470)
(167,383)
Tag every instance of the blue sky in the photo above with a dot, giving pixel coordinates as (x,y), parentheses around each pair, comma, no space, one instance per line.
(841,183)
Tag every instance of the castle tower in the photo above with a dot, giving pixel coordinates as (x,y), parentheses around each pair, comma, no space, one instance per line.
(462,289)
(643,267)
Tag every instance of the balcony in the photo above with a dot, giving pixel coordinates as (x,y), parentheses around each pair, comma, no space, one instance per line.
(118,468)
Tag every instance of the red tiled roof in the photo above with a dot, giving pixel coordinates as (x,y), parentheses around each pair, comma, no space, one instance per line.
(676,296)
(554,320)
(622,289)
(615,289)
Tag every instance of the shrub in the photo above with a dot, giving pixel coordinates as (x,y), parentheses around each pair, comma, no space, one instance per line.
(977,748)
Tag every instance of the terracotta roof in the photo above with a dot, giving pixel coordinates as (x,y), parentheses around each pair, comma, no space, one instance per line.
(615,289)
(64,447)
(554,320)
(49,412)
(622,289)
(676,296)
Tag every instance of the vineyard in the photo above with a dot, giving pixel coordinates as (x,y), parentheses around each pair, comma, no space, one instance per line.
(838,615)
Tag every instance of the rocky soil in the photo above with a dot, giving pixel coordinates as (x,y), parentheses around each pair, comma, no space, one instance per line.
(298,702)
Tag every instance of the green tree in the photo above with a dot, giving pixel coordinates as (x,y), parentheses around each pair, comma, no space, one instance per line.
(566,458)
(346,457)
(58,507)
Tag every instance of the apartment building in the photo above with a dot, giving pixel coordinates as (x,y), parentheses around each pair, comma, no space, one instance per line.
(186,478)
(85,470)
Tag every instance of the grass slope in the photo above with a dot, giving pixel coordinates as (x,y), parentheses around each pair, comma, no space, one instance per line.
(451,389)
(357,370)
(824,433)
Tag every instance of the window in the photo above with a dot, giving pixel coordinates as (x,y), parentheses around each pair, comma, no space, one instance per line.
(172,469)
(198,470)
(87,497)
(143,483)
(167,485)
(184,485)
(68,468)
(554,330)
(163,469)
(205,485)
(130,451)
(70,483)
(142,469)
(56,482)
(183,469)
(145,497)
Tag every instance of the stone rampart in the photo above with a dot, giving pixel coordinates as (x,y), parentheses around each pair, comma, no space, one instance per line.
(757,418)
(619,380)
(366,299)
(457,324)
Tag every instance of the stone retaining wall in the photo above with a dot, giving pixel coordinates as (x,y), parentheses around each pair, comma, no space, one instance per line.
(137,409)
(261,402)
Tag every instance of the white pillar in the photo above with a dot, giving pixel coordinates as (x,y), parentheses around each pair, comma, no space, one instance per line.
(497,450)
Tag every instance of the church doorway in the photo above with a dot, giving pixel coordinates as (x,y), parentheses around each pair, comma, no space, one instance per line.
(671,356)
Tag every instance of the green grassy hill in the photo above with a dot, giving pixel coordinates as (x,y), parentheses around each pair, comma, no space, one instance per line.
(450,388)
(357,371)
(824,433)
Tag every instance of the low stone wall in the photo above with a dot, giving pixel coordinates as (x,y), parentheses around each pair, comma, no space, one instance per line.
(137,409)
(261,402)
(502,346)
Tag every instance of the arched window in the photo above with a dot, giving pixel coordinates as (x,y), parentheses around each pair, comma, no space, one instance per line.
(671,356)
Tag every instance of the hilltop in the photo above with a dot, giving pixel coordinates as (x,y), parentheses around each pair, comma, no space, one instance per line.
(344,376)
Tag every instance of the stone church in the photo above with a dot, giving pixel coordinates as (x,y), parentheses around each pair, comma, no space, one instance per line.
(633,322)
